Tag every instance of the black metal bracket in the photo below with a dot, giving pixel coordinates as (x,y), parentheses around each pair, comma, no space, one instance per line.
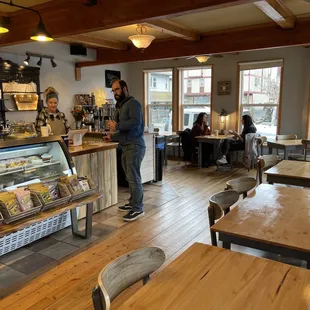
(86,234)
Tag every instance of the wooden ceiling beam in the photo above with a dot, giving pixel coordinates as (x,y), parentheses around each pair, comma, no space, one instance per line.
(278,12)
(71,17)
(95,42)
(174,29)
(236,40)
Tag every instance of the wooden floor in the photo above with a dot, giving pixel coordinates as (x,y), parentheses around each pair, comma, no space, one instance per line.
(174,226)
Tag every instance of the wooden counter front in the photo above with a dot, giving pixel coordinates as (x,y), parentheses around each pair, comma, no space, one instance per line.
(98,161)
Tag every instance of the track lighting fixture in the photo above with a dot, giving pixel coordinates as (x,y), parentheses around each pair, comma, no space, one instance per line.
(39,63)
(27,60)
(41,56)
(54,65)
(40,34)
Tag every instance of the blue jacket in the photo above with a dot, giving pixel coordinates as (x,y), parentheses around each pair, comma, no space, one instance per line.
(131,126)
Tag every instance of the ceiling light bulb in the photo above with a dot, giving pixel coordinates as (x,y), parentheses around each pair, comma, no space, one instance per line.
(39,63)
(27,60)
(41,34)
(53,63)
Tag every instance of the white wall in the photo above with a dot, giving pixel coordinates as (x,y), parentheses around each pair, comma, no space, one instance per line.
(62,78)
(295,83)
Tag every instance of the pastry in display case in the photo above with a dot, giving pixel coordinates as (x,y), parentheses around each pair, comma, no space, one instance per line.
(22,130)
(29,162)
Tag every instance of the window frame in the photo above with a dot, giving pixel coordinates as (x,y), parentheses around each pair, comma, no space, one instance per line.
(243,66)
(181,94)
(146,96)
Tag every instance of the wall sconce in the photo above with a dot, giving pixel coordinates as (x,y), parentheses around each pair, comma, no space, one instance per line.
(223,116)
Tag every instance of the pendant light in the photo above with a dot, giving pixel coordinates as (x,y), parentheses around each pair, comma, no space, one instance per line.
(141,40)
(27,60)
(41,34)
(202,59)
(3,25)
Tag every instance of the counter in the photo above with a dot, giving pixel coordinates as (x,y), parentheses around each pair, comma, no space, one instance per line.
(148,164)
(98,160)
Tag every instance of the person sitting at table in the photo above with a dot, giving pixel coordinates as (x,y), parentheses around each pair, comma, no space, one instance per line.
(237,143)
(200,128)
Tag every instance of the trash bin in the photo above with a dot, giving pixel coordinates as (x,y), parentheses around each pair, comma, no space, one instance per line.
(159,157)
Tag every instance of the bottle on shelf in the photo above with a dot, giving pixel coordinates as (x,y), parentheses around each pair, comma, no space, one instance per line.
(93,99)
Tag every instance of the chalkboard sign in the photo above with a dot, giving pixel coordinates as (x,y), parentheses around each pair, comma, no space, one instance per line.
(110,76)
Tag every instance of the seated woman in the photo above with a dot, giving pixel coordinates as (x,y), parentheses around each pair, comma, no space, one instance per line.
(201,128)
(238,142)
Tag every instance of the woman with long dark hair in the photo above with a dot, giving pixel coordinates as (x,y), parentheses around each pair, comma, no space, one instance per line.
(238,142)
(201,128)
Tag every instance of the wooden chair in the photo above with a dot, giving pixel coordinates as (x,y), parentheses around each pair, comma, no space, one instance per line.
(260,144)
(304,156)
(242,185)
(125,271)
(265,162)
(220,204)
(286,137)
(174,142)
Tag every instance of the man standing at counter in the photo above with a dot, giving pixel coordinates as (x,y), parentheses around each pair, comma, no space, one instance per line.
(130,128)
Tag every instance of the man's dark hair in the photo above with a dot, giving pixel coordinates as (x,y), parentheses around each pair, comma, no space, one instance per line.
(122,84)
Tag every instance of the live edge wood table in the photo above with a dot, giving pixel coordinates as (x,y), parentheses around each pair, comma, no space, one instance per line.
(6,229)
(290,172)
(272,218)
(209,278)
(285,145)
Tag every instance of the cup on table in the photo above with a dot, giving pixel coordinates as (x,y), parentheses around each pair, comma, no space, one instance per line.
(45,131)
(216,132)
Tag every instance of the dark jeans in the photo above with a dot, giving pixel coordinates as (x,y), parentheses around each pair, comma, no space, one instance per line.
(131,160)
(230,145)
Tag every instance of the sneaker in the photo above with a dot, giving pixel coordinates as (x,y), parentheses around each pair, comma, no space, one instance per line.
(125,208)
(222,161)
(132,216)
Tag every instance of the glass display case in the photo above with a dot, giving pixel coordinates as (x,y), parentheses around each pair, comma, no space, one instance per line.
(33,160)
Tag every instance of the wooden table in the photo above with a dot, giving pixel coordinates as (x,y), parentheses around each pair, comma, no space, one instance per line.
(215,140)
(290,172)
(273,219)
(285,145)
(206,277)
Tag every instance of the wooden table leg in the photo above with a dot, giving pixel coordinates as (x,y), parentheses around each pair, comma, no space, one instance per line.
(86,234)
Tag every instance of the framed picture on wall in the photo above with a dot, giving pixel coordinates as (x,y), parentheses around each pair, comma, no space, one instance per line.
(110,76)
(223,88)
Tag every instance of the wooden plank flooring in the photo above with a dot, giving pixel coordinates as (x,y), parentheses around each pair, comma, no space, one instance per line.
(177,219)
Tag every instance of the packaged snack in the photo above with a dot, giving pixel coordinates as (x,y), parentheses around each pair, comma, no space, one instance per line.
(74,184)
(9,202)
(63,190)
(53,189)
(84,184)
(24,199)
(34,160)
(41,190)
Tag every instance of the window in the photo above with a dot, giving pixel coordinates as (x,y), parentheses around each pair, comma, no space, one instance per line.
(154,82)
(159,99)
(195,98)
(260,86)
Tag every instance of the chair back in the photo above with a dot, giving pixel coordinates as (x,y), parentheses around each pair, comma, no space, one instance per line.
(127,270)
(242,185)
(220,204)
(186,142)
(222,201)
(260,144)
(286,137)
(265,162)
